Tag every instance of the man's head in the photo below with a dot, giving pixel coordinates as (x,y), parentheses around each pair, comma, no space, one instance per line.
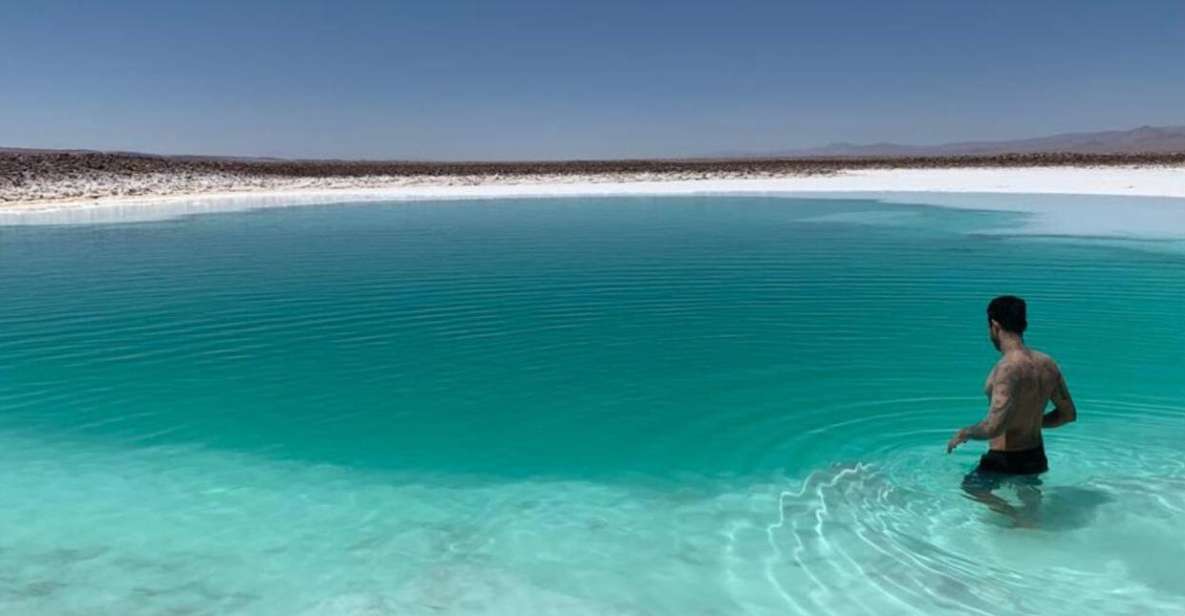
(1006,314)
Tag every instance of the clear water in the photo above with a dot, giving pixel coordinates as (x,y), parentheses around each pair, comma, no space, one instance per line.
(608,406)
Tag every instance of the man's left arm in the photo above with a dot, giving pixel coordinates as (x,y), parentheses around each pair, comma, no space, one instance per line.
(997,418)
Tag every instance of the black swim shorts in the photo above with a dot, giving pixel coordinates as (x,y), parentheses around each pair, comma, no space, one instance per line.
(996,466)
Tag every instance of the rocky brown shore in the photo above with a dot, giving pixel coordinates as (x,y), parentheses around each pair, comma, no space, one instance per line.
(38,176)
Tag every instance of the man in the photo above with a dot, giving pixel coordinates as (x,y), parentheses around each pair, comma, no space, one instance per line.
(1018,388)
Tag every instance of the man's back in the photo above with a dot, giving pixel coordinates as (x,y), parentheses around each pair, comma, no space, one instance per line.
(1028,380)
(1019,387)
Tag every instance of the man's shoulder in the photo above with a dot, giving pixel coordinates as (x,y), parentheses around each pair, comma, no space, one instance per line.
(1023,362)
(1043,357)
(1045,360)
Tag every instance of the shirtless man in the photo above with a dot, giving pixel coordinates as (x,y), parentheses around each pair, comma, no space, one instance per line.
(1018,389)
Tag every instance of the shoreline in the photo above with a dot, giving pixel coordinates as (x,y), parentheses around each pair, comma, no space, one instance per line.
(1143,181)
(49,180)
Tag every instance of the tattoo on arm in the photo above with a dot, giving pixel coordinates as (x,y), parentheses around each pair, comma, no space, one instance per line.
(1063,406)
(1001,408)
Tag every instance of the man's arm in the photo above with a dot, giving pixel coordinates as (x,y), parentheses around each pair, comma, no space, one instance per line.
(1063,411)
(997,418)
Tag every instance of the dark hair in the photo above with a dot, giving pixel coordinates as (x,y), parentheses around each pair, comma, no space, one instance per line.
(1009,312)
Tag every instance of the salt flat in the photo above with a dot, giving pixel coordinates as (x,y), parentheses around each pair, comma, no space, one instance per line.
(1111,211)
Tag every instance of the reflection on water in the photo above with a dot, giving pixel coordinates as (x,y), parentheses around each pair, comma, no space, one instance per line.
(1070,507)
(1025,502)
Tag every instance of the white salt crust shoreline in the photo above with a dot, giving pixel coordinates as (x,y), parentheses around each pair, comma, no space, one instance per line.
(1111,210)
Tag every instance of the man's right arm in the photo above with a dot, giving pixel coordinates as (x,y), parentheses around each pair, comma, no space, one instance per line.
(1063,411)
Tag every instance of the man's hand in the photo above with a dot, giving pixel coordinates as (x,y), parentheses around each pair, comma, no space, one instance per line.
(959,438)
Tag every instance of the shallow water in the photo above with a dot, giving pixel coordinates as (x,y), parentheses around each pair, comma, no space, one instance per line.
(632,405)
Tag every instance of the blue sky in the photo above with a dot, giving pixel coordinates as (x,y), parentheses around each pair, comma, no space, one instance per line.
(513,80)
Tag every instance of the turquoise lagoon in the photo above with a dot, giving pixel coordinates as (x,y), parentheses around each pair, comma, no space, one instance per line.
(629,405)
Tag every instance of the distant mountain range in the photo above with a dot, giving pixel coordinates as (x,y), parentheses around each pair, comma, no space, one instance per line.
(1143,140)
(131,154)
